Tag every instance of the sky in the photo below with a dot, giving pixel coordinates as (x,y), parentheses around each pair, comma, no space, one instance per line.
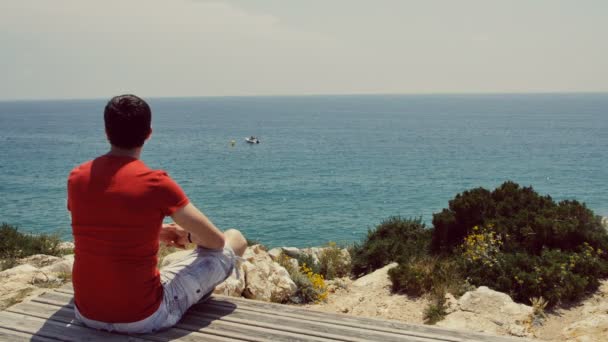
(179,48)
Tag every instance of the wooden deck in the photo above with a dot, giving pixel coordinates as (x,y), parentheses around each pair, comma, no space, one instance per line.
(50,317)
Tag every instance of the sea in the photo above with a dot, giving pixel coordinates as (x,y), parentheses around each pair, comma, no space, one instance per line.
(328,168)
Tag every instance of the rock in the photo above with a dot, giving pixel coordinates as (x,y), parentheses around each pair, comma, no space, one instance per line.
(592,323)
(291,251)
(593,328)
(233,286)
(451,303)
(64,265)
(486,310)
(605,222)
(275,253)
(18,271)
(377,279)
(265,279)
(39,260)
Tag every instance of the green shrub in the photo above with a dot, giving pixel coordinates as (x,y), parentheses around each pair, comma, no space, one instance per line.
(311,286)
(533,222)
(332,263)
(555,275)
(429,275)
(395,239)
(309,261)
(15,245)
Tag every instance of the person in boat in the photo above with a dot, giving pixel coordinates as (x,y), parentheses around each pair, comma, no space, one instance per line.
(117,205)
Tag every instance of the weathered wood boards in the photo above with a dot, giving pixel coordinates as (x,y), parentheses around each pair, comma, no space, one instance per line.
(50,317)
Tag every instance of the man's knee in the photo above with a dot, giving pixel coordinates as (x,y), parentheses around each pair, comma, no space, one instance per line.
(236,241)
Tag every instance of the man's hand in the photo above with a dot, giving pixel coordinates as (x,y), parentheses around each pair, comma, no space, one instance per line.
(173,235)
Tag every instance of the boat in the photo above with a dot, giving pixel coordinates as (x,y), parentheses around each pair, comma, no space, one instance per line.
(252,140)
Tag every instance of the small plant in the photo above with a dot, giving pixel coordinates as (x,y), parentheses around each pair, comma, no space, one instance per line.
(538,306)
(333,263)
(436,310)
(311,287)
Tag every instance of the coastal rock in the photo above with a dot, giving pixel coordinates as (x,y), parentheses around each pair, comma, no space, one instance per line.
(275,253)
(590,329)
(39,260)
(377,279)
(291,251)
(235,284)
(36,274)
(63,265)
(451,303)
(265,279)
(486,310)
(605,222)
(592,322)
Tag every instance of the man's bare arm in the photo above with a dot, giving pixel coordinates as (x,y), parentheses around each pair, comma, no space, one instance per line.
(204,232)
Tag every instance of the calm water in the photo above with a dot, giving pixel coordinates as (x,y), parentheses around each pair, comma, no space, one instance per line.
(328,167)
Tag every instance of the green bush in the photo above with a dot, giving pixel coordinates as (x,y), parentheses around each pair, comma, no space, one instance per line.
(332,263)
(15,245)
(394,240)
(555,275)
(429,275)
(533,222)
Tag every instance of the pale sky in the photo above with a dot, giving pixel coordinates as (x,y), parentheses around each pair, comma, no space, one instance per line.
(96,49)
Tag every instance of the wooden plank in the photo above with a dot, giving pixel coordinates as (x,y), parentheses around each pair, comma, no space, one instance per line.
(46,306)
(65,314)
(297,326)
(255,307)
(58,330)
(17,336)
(275,327)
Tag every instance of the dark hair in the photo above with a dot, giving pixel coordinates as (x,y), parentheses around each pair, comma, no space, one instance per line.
(127,119)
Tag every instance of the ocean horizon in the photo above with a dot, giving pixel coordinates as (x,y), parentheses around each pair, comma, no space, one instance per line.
(328,167)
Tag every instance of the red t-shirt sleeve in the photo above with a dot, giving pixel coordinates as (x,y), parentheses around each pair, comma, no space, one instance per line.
(170,195)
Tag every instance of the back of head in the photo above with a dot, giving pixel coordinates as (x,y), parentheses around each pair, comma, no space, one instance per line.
(128,121)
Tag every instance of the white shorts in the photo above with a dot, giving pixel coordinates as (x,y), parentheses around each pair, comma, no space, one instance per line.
(185,282)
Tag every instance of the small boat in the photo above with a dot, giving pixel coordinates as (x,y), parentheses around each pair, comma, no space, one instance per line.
(252,140)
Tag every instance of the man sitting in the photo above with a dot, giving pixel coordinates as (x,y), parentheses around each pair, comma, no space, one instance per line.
(118,205)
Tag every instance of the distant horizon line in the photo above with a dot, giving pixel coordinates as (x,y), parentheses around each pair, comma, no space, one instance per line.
(317,95)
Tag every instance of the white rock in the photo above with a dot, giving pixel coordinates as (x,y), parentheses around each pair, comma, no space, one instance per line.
(291,251)
(265,279)
(451,303)
(18,270)
(275,253)
(605,222)
(39,260)
(593,328)
(233,286)
(377,279)
(64,265)
(486,310)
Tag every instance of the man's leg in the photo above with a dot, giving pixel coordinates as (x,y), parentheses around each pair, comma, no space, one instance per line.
(236,241)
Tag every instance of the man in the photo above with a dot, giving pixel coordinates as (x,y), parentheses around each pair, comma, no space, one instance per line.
(118,205)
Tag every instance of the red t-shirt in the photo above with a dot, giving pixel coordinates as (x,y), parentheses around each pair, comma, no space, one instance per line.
(118,205)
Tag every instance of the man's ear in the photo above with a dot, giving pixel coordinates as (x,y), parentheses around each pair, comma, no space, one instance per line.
(149,134)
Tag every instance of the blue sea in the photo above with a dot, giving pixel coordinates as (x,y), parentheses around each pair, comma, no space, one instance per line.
(328,168)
